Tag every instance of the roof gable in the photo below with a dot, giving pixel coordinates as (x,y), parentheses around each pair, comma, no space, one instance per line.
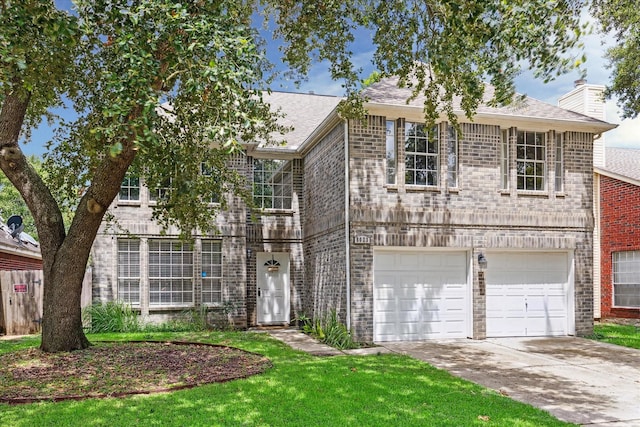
(303,112)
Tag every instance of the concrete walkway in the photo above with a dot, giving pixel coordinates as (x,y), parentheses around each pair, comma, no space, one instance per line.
(303,342)
(577,380)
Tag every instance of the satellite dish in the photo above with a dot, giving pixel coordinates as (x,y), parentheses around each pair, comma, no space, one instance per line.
(15,225)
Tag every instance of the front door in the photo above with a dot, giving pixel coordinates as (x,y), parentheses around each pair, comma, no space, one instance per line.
(272,272)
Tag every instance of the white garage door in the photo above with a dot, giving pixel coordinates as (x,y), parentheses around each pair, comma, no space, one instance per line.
(527,294)
(420,295)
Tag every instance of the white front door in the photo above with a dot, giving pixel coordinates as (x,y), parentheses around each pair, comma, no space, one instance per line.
(272,272)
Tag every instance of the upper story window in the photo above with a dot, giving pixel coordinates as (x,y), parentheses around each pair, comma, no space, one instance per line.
(213,197)
(531,161)
(421,154)
(559,162)
(626,279)
(452,157)
(130,189)
(272,184)
(392,152)
(504,160)
(161,193)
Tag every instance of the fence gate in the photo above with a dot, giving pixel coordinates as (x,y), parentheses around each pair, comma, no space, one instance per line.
(21,302)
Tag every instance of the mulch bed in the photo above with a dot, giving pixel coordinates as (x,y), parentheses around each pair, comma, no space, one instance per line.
(115,369)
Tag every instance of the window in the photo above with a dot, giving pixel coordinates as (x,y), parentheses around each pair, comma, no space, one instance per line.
(130,189)
(452,157)
(211,271)
(530,161)
(129,271)
(421,155)
(559,162)
(391,154)
(161,193)
(504,160)
(208,172)
(170,273)
(272,184)
(626,279)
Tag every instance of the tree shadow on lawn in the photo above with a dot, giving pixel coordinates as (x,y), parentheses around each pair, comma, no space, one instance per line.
(306,390)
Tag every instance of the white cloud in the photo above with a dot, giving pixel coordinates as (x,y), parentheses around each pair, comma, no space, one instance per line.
(627,134)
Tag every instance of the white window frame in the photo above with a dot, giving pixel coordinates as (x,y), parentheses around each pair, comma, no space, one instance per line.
(273,187)
(211,272)
(625,271)
(391,155)
(129,193)
(504,159)
(530,157)
(171,267)
(421,155)
(161,193)
(559,163)
(129,271)
(452,147)
(214,199)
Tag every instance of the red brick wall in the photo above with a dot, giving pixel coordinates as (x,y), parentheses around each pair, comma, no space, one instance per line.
(620,230)
(16,262)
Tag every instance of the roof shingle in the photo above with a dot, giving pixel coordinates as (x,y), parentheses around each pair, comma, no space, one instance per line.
(623,161)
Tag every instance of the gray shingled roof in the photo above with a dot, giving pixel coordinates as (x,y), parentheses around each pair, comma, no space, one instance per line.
(623,161)
(386,91)
(303,112)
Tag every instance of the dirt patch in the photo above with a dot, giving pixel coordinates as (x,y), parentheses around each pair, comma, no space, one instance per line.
(120,369)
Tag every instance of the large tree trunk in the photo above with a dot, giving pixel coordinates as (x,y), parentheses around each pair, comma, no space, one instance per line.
(62,320)
(64,255)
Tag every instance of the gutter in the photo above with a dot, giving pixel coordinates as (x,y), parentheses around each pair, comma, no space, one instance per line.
(347,234)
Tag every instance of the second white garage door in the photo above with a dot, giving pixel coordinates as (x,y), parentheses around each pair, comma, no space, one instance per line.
(420,295)
(528,294)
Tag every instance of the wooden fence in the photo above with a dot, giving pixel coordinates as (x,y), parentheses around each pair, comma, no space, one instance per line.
(21,295)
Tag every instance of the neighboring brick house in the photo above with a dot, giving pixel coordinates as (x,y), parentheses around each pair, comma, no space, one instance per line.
(409,233)
(619,182)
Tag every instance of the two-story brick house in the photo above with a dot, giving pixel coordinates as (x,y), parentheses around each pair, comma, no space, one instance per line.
(408,232)
(618,182)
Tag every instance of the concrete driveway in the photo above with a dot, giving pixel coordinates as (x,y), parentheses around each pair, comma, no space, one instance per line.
(577,380)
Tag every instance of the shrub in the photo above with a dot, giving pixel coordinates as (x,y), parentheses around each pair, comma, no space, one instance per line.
(113,316)
(329,330)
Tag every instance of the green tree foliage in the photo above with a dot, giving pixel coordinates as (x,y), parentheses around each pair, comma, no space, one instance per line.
(167,90)
(12,203)
(621,18)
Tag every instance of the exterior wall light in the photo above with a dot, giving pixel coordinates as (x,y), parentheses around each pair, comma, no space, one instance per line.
(482,261)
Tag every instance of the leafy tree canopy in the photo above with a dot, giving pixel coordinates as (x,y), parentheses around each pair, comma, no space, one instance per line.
(167,90)
(621,18)
(11,202)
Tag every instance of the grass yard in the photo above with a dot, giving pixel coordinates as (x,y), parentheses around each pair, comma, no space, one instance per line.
(612,333)
(299,389)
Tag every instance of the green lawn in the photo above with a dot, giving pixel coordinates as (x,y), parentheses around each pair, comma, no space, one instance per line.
(624,335)
(299,390)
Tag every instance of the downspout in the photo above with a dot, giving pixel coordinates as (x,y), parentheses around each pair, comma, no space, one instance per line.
(347,233)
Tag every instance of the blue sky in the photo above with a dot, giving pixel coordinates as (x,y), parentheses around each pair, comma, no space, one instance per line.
(626,135)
